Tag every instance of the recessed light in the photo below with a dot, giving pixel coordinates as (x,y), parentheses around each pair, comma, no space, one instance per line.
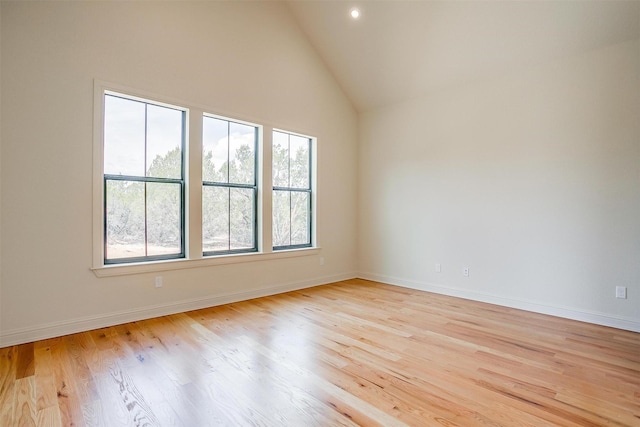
(355,13)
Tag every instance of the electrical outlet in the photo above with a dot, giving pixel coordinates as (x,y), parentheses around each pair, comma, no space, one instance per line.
(621,292)
(158,281)
(321,260)
(465,271)
(438,268)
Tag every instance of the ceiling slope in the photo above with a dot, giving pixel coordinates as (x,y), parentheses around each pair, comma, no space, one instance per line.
(399,50)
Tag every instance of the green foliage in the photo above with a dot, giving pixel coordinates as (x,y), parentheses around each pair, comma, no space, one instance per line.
(290,208)
(228,213)
(167,166)
(139,210)
(125,212)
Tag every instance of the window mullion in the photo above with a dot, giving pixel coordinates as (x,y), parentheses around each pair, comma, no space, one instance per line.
(229,189)
(228,185)
(228,151)
(194,190)
(290,214)
(289,192)
(142,179)
(146,226)
(265,223)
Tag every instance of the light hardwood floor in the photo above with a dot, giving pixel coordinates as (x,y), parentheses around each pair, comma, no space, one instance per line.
(349,353)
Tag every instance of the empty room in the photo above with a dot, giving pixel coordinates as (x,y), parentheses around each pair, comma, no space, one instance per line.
(319,213)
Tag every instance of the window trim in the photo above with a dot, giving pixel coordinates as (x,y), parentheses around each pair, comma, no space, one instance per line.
(183,264)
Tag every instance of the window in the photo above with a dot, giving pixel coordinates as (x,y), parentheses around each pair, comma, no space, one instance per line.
(143,171)
(172,182)
(229,186)
(292,210)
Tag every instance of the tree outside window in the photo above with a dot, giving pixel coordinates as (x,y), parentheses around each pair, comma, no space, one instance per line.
(143,180)
(291,170)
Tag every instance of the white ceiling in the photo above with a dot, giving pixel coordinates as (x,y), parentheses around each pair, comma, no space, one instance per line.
(404,49)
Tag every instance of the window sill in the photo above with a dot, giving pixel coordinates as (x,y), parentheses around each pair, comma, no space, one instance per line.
(181,264)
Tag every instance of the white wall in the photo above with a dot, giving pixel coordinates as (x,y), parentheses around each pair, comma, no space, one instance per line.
(247,59)
(531,180)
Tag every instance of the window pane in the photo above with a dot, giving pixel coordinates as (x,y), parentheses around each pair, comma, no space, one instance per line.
(242,218)
(280,159)
(229,156)
(281,218)
(163,219)
(242,153)
(299,162)
(164,142)
(124,129)
(215,218)
(125,219)
(215,149)
(300,218)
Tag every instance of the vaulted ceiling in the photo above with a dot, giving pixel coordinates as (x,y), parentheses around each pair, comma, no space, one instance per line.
(399,50)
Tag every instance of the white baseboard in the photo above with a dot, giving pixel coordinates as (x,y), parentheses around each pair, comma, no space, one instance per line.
(618,322)
(50,330)
(56,329)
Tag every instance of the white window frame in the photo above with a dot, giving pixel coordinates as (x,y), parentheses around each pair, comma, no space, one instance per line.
(193,191)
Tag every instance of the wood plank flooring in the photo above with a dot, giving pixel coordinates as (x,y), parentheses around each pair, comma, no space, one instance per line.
(344,354)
